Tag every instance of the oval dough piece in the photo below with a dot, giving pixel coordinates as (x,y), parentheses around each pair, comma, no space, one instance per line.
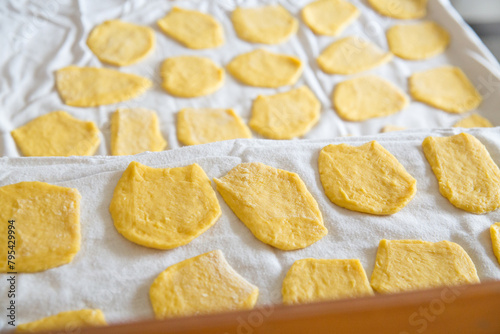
(202,126)
(163,208)
(121,43)
(418,41)
(199,285)
(466,174)
(367,97)
(191,76)
(401,9)
(67,321)
(135,131)
(266,24)
(285,115)
(92,86)
(403,265)
(57,134)
(495,239)
(392,128)
(313,280)
(274,204)
(40,211)
(473,121)
(367,178)
(351,55)
(329,17)
(446,88)
(262,68)
(193,29)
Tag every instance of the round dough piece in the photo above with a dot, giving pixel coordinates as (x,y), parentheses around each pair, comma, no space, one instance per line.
(367,97)
(163,208)
(202,126)
(193,29)
(57,134)
(329,17)
(446,88)
(41,211)
(120,43)
(473,121)
(401,9)
(266,24)
(274,204)
(262,68)
(367,178)
(495,239)
(200,285)
(418,41)
(65,321)
(191,76)
(285,115)
(351,55)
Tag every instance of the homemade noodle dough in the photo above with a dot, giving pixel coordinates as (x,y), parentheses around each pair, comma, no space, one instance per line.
(329,17)
(495,239)
(65,321)
(401,9)
(473,121)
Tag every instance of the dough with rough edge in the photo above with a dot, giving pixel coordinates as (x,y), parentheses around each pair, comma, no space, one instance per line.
(392,128)
(495,239)
(351,55)
(368,97)
(418,41)
(163,208)
(403,265)
(193,29)
(135,131)
(446,88)
(329,17)
(366,178)
(473,121)
(92,86)
(200,285)
(191,76)
(267,24)
(314,280)
(202,126)
(466,174)
(400,9)
(285,115)
(57,134)
(262,68)
(40,211)
(64,321)
(274,204)
(120,43)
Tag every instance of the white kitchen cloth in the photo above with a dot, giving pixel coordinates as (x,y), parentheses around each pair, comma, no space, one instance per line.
(39,37)
(114,274)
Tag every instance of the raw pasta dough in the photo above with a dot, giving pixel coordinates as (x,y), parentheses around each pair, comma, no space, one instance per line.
(473,121)
(274,204)
(329,17)
(57,134)
(65,321)
(199,285)
(401,9)
(495,239)
(163,208)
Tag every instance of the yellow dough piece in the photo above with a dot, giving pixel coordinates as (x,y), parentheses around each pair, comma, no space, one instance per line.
(403,265)
(191,76)
(466,174)
(135,131)
(313,280)
(262,68)
(392,128)
(163,208)
(42,214)
(446,88)
(202,126)
(418,41)
(92,86)
(57,134)
(120,43)
(266,24)
(69,321)
(199,285)
(274,204)
(285,115)
(351,55)
(367,178)
(473,121)
(329,17)
(495,239)
(193,29)
(367,97)
(401,9)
